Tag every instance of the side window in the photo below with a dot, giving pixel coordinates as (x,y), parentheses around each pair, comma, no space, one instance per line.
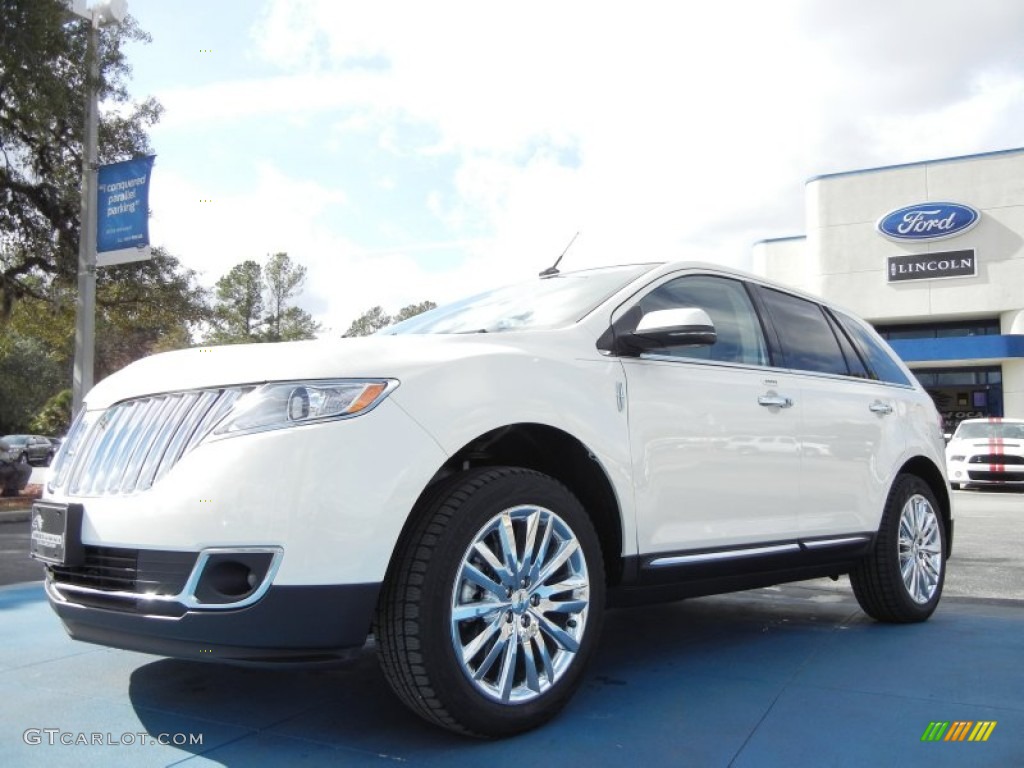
(853,359)
(877,357)
(807,340)
(740,338)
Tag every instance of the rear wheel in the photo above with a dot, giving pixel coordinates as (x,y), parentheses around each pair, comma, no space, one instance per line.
(493,604)
(901,580)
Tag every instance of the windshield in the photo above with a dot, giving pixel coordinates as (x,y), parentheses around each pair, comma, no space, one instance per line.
(548,302)
(990,429)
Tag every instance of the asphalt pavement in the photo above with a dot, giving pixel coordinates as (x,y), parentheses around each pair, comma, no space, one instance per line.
(785,676)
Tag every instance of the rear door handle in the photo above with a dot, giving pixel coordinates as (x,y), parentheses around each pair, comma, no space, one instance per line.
(775,401)
(881,408)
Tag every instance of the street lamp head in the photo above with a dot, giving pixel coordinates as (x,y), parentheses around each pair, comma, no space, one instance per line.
(101,14)
(111,12)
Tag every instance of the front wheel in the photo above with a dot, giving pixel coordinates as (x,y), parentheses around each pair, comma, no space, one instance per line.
(901,580)
(493,603)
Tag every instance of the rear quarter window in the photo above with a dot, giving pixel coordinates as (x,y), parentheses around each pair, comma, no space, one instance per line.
(880,360)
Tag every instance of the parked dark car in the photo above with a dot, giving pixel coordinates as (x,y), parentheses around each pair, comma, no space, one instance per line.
(31,449)
(14,473)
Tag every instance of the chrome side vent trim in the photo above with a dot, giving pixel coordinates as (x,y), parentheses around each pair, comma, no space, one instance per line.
(131,445)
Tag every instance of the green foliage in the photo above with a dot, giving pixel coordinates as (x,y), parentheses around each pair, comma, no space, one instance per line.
(238,307)
(373,319)
(412,310)
(283,280)
(54,418)
(42,116)
(29,375)
(252,304)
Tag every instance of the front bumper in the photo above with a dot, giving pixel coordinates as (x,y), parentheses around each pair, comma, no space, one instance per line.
(291,624)
(972,473)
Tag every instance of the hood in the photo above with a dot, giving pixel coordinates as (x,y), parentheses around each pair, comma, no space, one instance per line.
(367,357)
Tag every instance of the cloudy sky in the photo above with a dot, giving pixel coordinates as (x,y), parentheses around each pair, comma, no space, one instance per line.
(408,150)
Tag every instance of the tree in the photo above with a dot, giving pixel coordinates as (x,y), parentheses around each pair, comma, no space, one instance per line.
(373,319)
(143,307)
(411,310)
(55,416)
(146,307)
(42,102)
(284,280)
(238,311)
(252,304)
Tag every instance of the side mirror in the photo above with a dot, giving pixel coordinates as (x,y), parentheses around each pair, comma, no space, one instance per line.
(670,327)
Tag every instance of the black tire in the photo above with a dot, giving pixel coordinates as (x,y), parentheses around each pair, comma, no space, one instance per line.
(417,627)
(912,532)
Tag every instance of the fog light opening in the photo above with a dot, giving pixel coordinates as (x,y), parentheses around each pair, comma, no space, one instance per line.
(231,579)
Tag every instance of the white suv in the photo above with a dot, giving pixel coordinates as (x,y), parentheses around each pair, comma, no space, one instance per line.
(475,485)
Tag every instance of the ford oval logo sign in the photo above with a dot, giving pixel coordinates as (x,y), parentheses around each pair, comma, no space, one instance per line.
(928,221)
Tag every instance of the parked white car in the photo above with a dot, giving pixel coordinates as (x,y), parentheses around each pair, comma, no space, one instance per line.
(476,484)
(986,452)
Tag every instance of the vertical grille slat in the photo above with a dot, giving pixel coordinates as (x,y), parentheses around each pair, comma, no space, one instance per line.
(134,443)
(179,408)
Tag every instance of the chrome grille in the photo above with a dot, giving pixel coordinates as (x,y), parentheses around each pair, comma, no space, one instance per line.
(996,458)
(132,444)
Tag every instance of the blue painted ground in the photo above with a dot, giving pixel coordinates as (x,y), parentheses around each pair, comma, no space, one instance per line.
(787,676)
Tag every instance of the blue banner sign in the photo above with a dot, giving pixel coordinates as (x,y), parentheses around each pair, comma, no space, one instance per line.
(122,204)
(928,221)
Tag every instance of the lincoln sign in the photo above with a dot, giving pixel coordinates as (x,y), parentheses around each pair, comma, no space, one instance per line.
(930,266)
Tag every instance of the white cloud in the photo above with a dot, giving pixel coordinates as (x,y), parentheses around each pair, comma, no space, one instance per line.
(658,130)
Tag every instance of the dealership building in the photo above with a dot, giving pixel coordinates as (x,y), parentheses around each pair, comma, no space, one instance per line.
(932,254)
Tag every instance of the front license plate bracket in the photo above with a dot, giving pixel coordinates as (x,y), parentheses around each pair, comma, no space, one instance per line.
(56,534)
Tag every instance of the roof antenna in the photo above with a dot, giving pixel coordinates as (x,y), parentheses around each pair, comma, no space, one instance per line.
(553,269)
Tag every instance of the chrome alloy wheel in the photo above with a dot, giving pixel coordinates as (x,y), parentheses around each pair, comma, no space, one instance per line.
(920,548)
(519,604)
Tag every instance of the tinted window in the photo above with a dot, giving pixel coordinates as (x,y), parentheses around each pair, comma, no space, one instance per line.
(878,358)
(853,359)
(740,339)
(807,340)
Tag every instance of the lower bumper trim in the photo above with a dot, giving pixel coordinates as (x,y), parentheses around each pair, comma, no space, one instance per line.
(301,625)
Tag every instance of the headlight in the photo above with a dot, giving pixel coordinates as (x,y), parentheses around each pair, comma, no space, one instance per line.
(956,458)
(292,403)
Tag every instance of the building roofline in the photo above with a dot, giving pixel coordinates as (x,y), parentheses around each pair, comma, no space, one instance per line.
(779,239)
(995,153)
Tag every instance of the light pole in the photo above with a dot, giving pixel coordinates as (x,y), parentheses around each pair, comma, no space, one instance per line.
(112,12)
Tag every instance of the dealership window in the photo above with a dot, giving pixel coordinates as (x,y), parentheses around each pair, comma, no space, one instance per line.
(939,330)
(964,393)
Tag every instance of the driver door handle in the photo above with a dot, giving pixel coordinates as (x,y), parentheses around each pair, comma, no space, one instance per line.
(775,401)
(881,408)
